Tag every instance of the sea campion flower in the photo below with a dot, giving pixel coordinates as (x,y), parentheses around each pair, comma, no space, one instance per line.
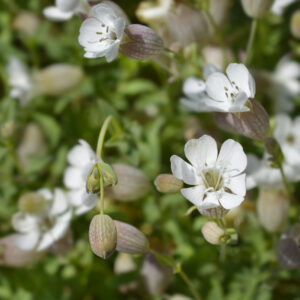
(20,80)
(279,6)
(65,9)
(102,33)
(82,159)
(39,231)
(256,8)
(221,93)
(217,180)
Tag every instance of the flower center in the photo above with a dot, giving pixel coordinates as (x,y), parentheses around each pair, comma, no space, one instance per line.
(290,139)
(231,92)
(106,34)
(213,179)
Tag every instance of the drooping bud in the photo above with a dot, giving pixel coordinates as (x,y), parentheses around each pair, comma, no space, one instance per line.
(295,24)
(108,174)
(103,236)
(132,184)
(253,124)
(8,129)
(156,277)
(124,264)
(213,233)
(130,239)
(256,8)
(168,184)
(57,80)
(93,181)
(27,22)
(13,256)
(272,208)
(142,42)
(32,203)
(288,249)
(214,213)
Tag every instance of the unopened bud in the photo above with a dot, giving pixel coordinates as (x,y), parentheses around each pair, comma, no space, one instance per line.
(168,184)
(213,233)
(214,213)
(13,256)
(57,80)
(142,43)
(274,149)
(103,236)
(8,129)
(93,181)
(108,174)
(272,208)
(288,250)
(253,124)
(155,276)
(27,22)
(32,203)
(257,8)
(130,239)
(295,24)
(132,184)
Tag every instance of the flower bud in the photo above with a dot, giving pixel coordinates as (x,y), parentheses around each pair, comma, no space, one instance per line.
(57,80)
(130,239)
(132,184)
(213,233)
(13,256)
(27,22)
(156,277)
(103,236)
(256,8)
(93,181)
(168,184)
(124,264)
(288,249)
(219,10)
(142,42)
(8,129)
(32,202)
(272,209)
(253,124)
(108,174)
(295,24)
(274,149)
(214,213)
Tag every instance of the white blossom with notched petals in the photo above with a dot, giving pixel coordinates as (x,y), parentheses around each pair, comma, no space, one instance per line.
(38,231)
(220,92)
(65,9)
(102,33)
(81,158)
(217,180)
(20,81)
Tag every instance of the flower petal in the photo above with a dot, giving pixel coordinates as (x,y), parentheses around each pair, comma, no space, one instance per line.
(73,178)
(104,13)
(184,171)
(67,5)
(119,27)
(216,86)
(193,87)
(27,241)
(210,201)
(202,151)
(194,194)
(112,52)
(237,184)
(53,13)
(230,201)
(81,154)
(24,222)
(60,203)
(283,128)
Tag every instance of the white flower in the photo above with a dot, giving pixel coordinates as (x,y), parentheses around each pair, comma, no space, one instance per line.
(20,81)
(279,6)
(220,93)
(285,83)
(217,180)
(81,158)
(40,231)
(101,34)
(65,9)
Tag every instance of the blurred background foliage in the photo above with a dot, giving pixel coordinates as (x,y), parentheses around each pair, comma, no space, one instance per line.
(139,95)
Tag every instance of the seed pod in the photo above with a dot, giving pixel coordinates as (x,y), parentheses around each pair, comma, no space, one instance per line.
(288,250)
(142,42)
(273,209)
(256,8)
(57,80)
(253,124)
(132,184)
(103,236)
(213,233)
(12,256)
(295,24)
(156,277)
(32,203)
(168,184)
(130,239)
(214,213)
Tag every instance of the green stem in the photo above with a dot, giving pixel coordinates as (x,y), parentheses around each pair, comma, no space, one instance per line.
(223,245)
(251,40)
(286,183)
(101,194)
(170,262)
